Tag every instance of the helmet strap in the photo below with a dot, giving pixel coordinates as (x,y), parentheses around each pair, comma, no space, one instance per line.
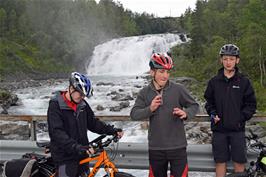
(70,95)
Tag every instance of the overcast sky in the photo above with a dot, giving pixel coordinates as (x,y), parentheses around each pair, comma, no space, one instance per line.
(160,8)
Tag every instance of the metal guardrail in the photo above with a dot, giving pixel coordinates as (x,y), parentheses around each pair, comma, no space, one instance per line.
(33,119)
(129,155)
(30,118)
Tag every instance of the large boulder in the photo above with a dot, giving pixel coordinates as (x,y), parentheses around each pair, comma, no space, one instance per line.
(18,130)
(121,105)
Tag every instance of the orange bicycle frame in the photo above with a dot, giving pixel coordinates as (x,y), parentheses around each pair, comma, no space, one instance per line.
(101,159)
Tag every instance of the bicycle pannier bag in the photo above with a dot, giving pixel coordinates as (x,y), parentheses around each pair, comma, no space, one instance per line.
(20,168)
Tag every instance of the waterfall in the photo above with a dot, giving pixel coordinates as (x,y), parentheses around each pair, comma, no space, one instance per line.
(130,55)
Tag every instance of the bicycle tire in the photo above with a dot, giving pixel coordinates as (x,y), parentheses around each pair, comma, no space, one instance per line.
(260,174)
(121,174)
(243,174)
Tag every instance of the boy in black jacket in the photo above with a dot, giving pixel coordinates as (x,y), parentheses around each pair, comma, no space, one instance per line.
(69,118)
(230,103)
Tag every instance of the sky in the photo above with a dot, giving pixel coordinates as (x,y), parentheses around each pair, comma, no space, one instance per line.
(160,8)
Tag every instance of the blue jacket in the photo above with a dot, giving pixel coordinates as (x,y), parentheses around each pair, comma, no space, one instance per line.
(233,100)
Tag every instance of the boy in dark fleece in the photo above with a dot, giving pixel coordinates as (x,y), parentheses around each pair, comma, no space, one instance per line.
(167,105)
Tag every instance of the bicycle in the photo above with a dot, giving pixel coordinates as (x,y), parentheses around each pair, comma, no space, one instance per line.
(102,159)
(45,167)
(256,168)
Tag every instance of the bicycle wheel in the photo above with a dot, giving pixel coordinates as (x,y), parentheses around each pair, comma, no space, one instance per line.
(242,174)
(121,174)
(260,174)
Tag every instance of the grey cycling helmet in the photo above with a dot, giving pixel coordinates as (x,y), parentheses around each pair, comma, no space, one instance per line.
(229,49)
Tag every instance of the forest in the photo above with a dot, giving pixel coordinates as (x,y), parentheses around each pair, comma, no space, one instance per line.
(39,37)
(214,23)
(47,36)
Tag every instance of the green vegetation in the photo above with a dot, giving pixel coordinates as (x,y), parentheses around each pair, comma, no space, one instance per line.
(214,23)
(263,124)
(4,95)
(48,36)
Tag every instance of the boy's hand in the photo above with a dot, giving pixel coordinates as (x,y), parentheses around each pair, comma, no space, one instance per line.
(156,102)
(119,132)
(215,119)
(85,150)
(90,151)
(180,113)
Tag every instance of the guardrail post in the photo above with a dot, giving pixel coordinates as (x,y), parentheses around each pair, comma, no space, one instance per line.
(33,130)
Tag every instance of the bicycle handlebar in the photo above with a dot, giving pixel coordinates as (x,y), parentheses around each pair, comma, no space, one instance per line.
(98,139)
(99,144)
(96,144)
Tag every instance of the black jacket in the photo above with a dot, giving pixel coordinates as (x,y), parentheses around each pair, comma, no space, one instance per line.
(68,129)
(233,100)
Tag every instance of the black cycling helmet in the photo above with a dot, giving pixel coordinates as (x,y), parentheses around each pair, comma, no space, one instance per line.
(229,49)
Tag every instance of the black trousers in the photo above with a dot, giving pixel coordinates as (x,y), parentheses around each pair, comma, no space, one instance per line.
(72,169)
(160,159)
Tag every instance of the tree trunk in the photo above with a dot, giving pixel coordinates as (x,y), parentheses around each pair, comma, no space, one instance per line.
(262,67)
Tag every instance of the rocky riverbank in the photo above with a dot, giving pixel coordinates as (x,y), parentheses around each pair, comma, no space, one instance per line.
(7,96)
(122,95)
(12,82)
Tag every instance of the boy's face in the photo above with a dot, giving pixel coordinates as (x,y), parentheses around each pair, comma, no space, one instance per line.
(76,95)
(161,76)
(229,62)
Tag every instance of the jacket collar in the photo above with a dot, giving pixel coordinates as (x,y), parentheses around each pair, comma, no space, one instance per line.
(221,75)
(63,105)
(167,85)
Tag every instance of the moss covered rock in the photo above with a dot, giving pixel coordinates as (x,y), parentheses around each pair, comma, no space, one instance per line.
(7,99)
